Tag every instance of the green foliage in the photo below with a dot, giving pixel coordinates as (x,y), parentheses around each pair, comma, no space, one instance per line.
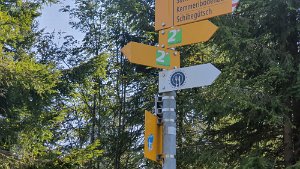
(32,147)
(113,105)
(244,110)
(80,157)
(296,166)
(30,75)
(255,163)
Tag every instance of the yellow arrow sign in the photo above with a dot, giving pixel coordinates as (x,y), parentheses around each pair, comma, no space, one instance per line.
(170,13)
(151,56)
(153,137)
(187,11)
(187,34)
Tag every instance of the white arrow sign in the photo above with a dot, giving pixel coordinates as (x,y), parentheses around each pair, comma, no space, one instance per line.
(188,77)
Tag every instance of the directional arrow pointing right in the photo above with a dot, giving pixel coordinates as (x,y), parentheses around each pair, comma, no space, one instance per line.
(187,34)
(187,77)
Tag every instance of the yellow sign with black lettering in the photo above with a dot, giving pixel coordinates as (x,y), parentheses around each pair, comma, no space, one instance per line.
(170,13)
(187,11)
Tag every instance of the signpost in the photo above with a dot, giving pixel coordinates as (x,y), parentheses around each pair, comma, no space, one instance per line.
(151,56)
(181,22)
(188,77)
(187,34)
(170,13)
(153,137)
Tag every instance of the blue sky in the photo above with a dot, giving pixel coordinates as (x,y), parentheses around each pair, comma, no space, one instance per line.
(53,20)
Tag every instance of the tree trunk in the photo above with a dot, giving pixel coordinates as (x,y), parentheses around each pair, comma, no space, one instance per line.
(296,119)
(288,142)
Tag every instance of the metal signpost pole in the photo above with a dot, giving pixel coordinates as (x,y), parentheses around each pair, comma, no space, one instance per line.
(169,129)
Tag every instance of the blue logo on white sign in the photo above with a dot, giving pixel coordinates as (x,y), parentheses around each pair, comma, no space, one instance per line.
(150,142)
(177,79)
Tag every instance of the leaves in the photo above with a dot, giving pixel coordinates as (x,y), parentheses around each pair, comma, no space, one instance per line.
(82,156)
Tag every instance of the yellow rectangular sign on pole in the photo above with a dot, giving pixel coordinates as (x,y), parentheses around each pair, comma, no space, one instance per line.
(182,35)
(187,11)
(153,137)
(163,14)
(152,56)
(170,13)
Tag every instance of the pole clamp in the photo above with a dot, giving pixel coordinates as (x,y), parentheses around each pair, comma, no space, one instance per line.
(169,120)
(167,109)
(168,97)
(169,156)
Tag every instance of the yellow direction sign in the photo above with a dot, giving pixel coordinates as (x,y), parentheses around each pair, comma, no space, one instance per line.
(187,34)
(187,11)
(151,56)
(163,14)
(153,137)
(170,13)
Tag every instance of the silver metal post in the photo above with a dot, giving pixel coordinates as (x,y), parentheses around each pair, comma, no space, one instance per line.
(169,130)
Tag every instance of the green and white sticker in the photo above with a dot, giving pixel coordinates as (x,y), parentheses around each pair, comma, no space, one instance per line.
(163,58)
(174,36)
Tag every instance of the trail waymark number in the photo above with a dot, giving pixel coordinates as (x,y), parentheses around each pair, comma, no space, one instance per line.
(174,36)
(163,58)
